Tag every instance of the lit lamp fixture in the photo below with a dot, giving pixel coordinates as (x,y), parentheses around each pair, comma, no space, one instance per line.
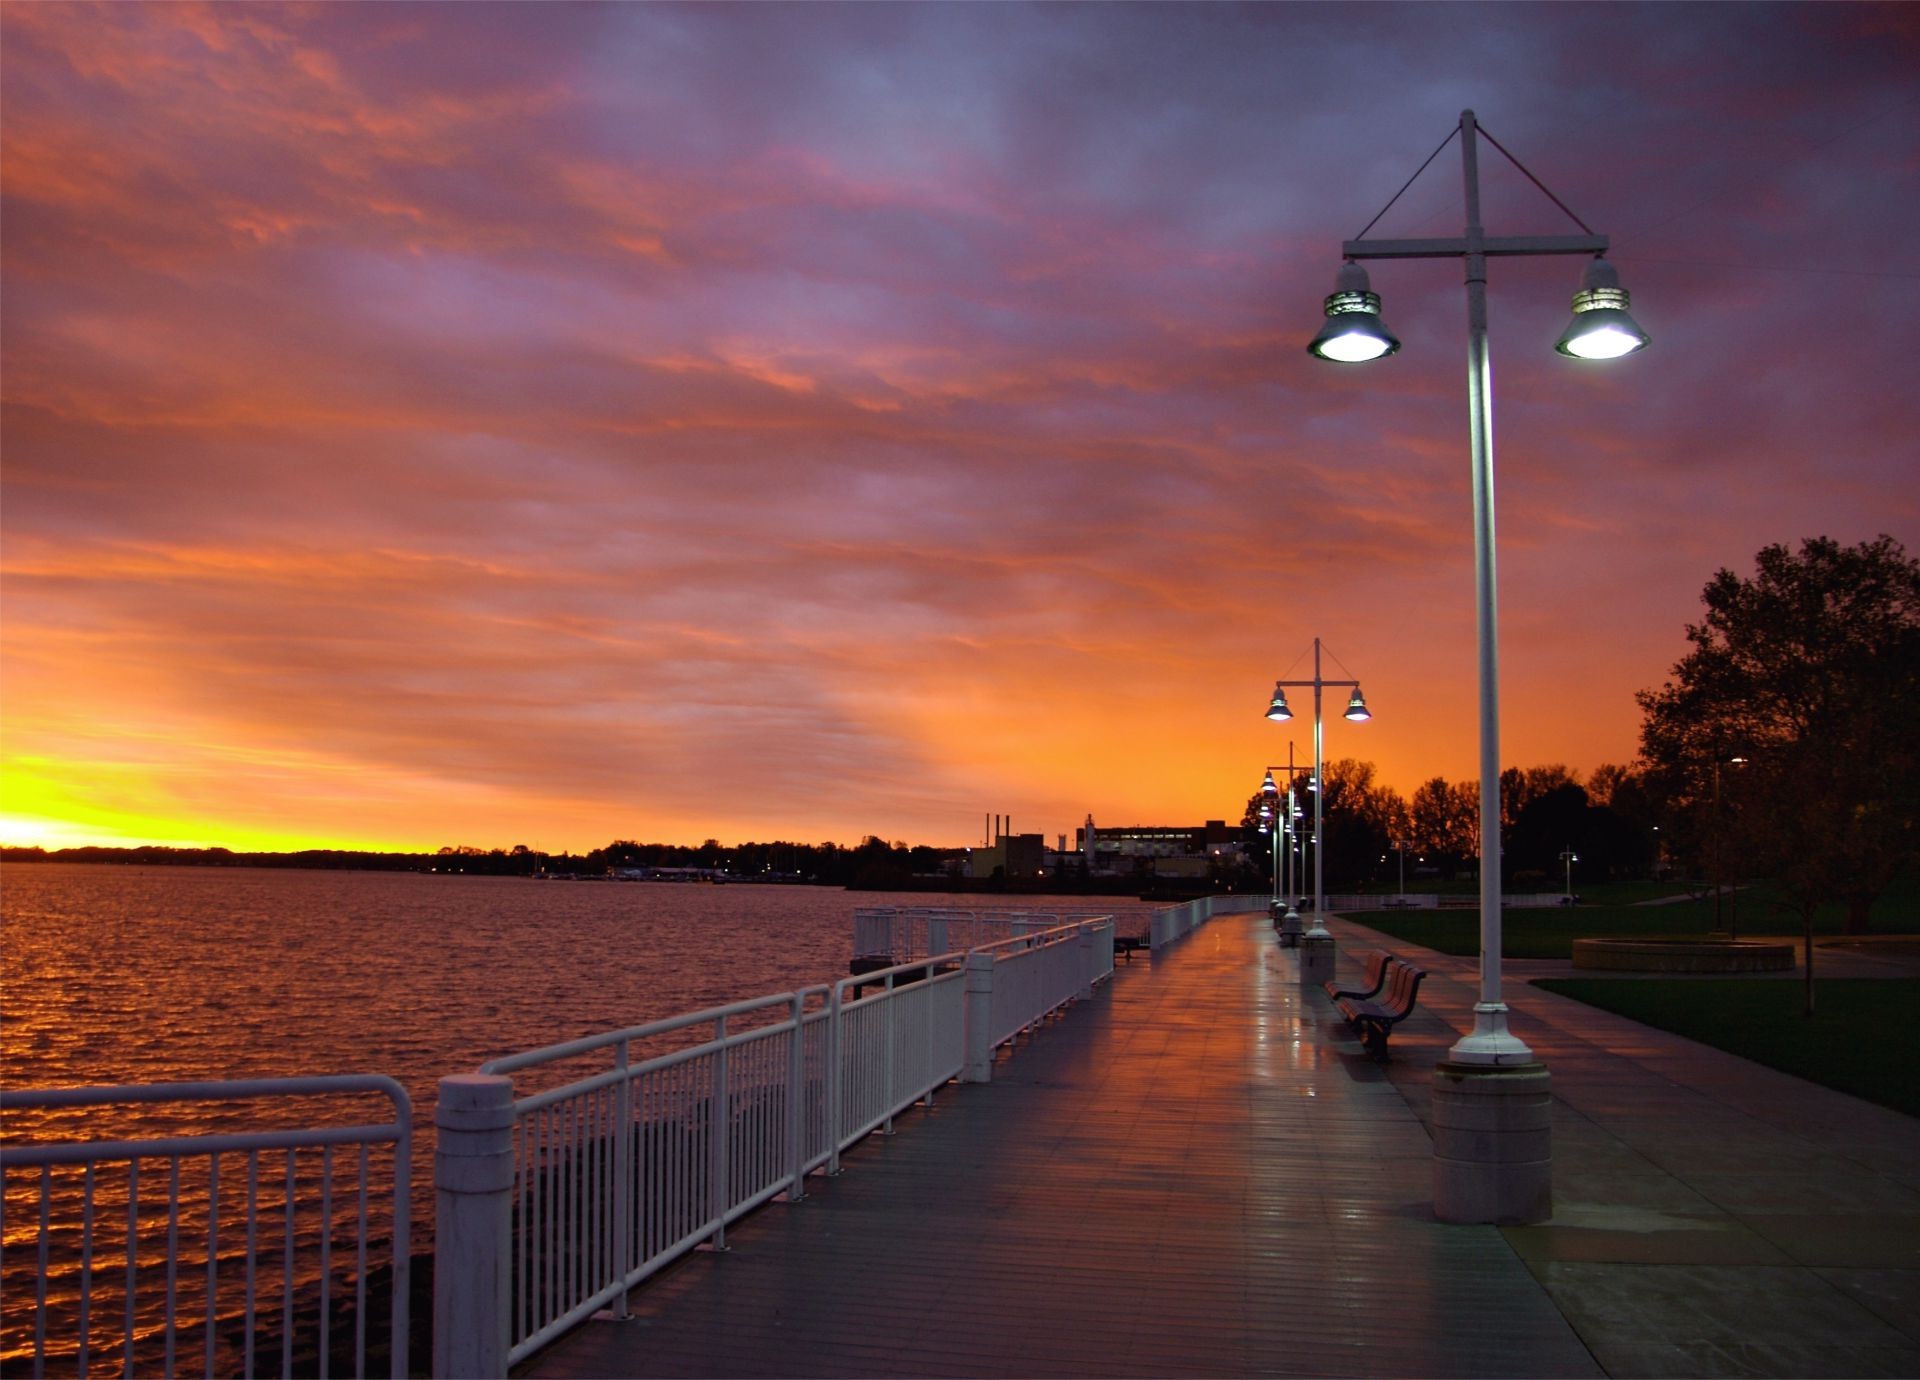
(1357,707)
(1354,332)
(1277,709)
(1601,328)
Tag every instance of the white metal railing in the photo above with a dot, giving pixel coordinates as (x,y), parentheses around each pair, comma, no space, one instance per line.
(106,1278)
(553,1205)
(904,933)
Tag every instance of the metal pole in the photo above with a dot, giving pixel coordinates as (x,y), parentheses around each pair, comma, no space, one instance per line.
(1289,890)
(1319,797)
(1490,1042)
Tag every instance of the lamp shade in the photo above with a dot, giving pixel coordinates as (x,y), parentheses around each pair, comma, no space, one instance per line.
(1277,709)
(1267,787)
(1357,707)
(1353,332)
(1601,327)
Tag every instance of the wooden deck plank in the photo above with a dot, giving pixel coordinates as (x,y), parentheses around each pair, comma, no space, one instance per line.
(1194,1173)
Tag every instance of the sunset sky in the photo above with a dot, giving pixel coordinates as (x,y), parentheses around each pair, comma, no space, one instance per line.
(494,424)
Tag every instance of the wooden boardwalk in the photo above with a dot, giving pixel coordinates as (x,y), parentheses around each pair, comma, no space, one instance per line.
(1195,1173)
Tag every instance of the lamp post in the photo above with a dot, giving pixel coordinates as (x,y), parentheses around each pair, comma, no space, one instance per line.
(1285,916)
(1400,846)
(1569,857)
(1279,712)
(1601,329)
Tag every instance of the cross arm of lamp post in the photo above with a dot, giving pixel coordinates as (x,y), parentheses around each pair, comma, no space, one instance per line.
(1493,246)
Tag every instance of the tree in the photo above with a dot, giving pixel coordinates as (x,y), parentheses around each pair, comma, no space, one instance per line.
(1443,819)
(1810,671)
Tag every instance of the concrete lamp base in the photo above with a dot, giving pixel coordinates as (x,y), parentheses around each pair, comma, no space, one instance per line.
(1316,959)
(1492,1144)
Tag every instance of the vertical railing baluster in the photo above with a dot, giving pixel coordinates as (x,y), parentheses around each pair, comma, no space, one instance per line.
(86,1268)
(286,1283)
(886,1065)
(213,1252)
(133,1263)
(326,1260)
(253,1232)
(717,1119)
(40,1282)
(623,1177)
(400,1329)
(523,1221)
(360,1277)
(836,1018)
(173,1258)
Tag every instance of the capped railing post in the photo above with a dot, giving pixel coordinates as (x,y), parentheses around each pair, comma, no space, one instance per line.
(796,1099)
(1086,962)
(979,1045)
(623,1178)
(835,1004)
(473,1226)
(719,1133)
(886,1059)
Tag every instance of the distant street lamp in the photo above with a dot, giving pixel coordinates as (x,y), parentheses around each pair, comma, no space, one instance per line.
(1569,857)
(1284,913)
(1401,846)
(1474,1182)
(1358,712)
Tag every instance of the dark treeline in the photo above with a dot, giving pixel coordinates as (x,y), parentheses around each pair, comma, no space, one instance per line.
(1608,820)
(874,862)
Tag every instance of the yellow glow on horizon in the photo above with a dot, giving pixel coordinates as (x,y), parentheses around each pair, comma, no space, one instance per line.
(52,805)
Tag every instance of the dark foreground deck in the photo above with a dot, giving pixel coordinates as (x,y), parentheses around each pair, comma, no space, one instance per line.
(1199,1173)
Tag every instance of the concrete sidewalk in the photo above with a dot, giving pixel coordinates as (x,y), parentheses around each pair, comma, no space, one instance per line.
(1712,1217)
(1199,1173)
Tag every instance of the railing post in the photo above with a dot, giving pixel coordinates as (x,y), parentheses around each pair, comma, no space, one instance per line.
(886,1062)
(473,1226)
(719,1132)
(1086,962)
(835,1004)
(979,1044)
(936,936)
(623,1180)
(796,1095)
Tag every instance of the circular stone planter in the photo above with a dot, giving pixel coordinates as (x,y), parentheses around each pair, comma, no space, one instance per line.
(1682,955)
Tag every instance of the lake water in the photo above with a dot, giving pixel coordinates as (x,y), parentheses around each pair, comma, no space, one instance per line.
(140,975)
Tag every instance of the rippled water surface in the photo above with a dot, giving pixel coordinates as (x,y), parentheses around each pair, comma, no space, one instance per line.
(134,975)
(119,975)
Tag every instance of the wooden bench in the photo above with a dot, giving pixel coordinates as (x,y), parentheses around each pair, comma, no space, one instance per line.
(1373,1019)
(1125,944)
(1376,979)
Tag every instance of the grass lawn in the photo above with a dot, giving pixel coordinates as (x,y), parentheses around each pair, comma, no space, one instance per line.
(1861,1039)
(1550,933)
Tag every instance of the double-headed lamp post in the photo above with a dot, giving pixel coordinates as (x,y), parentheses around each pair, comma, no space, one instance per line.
(1280,815)
(1601,329)
(1279,712)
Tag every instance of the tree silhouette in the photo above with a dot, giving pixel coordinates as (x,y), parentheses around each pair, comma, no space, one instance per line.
(1810,672)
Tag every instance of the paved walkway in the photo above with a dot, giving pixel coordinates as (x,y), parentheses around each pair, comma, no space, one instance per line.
(1198,1173)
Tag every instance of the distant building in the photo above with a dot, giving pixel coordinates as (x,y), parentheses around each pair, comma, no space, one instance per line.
(1163,849)
(1010,856)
